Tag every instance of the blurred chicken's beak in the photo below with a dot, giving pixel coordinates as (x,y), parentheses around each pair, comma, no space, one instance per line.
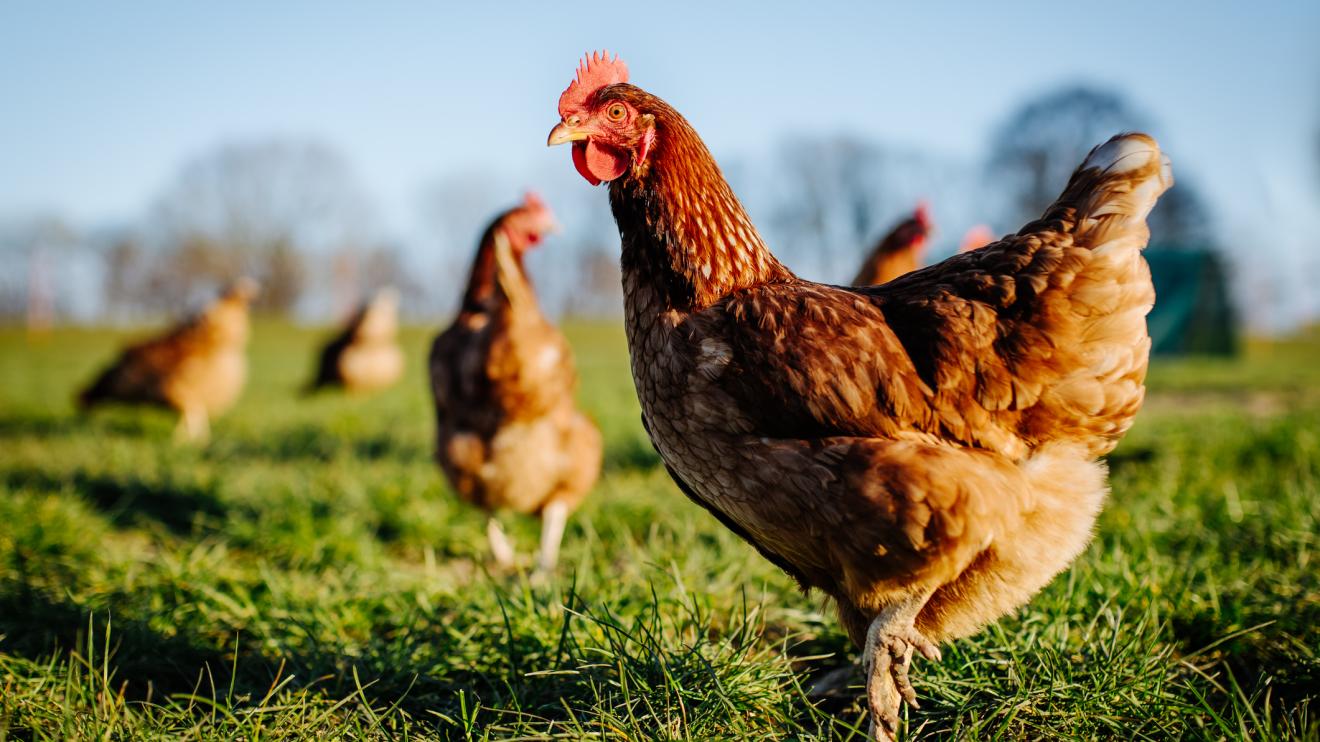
(563,134)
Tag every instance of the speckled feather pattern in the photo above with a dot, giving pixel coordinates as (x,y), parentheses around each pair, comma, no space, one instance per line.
(935,435)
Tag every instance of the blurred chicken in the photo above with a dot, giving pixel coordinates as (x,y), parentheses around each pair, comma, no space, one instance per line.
(365,356)
(899,251)
(508,433)
(197,369)
(924,451)
(976,238)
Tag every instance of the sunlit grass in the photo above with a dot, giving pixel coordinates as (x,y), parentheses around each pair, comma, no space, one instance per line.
(307,575)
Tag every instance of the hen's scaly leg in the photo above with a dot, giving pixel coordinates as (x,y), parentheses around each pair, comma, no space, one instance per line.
(887,656)
(553,519)
(500,548)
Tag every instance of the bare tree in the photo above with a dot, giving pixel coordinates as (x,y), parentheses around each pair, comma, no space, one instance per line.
(385,266)
(455,209)
(827,194)
(29,289)
(1038,146)
(1181,218)
(1035,150)
(578,270)
(599,284)
(123,270)
(831,198)
(257,207)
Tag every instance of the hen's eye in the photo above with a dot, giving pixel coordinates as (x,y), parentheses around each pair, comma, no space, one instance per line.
(616,112)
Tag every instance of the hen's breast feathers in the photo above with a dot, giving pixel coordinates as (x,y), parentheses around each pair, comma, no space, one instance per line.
(491,368)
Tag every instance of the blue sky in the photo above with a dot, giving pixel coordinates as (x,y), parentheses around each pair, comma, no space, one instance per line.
(103,101)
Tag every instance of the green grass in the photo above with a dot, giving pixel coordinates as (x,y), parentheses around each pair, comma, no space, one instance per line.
(307,574)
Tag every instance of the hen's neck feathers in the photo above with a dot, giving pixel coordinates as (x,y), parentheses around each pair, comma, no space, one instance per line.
(683,230)
(904,236)
(483,287)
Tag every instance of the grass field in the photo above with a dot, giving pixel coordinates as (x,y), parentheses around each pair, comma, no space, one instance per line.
(307,574)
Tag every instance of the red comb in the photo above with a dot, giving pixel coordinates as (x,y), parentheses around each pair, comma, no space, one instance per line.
(532,200)
(922,213)
(595,72)
(978,236)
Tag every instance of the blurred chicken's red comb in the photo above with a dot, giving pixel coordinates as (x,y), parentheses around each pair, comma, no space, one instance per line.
(595,72)
(978,236)
(532,200)
(922,213)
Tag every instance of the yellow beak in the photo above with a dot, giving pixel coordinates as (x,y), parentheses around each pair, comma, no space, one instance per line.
(563,133)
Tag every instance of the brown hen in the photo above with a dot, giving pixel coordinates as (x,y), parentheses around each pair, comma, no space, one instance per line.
(365,356)
(508,434)
(898,252)
(924,451)
(197,368)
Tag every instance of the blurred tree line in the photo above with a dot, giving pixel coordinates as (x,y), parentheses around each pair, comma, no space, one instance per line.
(288,213)
(293,215)
(1035,150)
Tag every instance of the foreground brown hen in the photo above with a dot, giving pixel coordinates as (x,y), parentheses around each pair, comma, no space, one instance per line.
(508,435)
(898,252)
(197,369)
(365,355)
(924,451)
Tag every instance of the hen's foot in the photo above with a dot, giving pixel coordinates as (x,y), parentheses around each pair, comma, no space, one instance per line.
(501,550)
(553,519)
(193,427)
(887,657)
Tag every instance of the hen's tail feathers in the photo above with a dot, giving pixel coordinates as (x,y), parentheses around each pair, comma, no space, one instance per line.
(1106,289)
(1113,191)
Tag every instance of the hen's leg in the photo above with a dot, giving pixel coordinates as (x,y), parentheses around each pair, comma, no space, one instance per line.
(500,548)
(887,656)
(553,519)
(193,425)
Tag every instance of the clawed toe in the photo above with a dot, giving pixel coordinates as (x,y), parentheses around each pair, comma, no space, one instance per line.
(902,653)
(923,645)
(888,685)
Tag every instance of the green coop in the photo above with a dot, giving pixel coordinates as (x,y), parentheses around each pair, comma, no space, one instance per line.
(1193,313)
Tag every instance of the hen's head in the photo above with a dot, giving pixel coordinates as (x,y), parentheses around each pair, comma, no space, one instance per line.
(599,113)
(526,224)
(921,215)
(923,223)
(975,238)
(243,290)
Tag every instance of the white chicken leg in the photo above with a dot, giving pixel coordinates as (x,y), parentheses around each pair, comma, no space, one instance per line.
(553,519)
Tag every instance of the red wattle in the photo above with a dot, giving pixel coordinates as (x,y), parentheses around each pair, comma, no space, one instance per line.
(598,162)
(580,162)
